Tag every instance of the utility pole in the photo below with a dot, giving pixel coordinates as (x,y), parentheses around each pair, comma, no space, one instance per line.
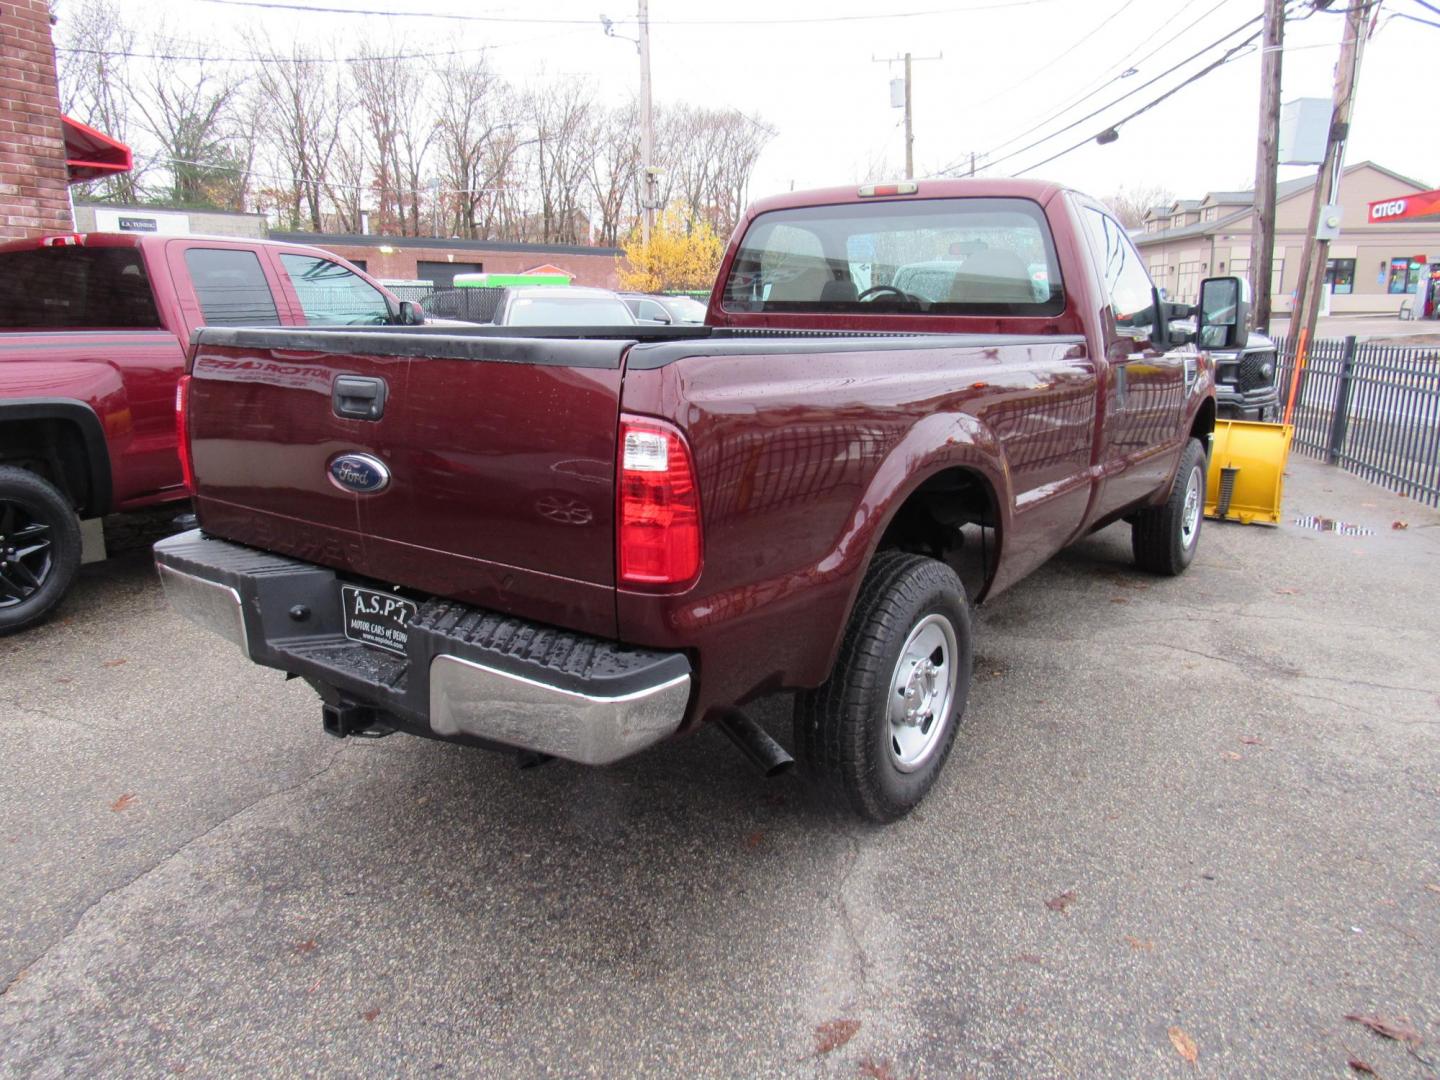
(909,126)
(1262,239)
(647,127)
(908,59)
(647,115)
(1306,312)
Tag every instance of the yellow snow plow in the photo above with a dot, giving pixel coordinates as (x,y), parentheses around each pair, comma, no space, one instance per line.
(1247,471)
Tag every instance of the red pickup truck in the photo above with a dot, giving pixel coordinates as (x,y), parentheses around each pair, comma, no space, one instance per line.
(94,334)
(582,541)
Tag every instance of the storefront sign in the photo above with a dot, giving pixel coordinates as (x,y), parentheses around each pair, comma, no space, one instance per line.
(1425,205)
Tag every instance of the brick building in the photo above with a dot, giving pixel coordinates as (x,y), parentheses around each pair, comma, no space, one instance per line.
(34,182)
(438,260)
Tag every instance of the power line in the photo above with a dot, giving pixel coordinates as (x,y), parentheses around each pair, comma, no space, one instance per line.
(796,21)
(1412,18)
(1230,54)
(1045,67)
(317,183)
(1104,83)
(271,58)
(1131,93)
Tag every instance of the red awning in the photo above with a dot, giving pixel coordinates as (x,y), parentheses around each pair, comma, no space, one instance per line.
(1422,207)
(90,154)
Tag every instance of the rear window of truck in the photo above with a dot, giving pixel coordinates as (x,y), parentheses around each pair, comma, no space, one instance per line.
(68,288)
(955,256)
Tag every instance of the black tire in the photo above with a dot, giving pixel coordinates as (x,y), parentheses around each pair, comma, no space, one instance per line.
(843,729)
(1165,538)
(39,548)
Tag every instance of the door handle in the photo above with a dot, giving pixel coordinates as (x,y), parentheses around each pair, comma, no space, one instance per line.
(359,397)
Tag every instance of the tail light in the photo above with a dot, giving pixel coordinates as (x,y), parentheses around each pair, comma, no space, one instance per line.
(658,521)
(182,432)
(63,240)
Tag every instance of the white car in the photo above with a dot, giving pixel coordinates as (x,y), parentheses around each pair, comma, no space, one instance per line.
(549,305)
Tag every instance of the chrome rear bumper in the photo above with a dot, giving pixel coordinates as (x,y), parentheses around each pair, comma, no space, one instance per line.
(467,698)
(466,674)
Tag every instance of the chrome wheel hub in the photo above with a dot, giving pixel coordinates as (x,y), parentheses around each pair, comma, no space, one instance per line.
(922,692)
(1190,515)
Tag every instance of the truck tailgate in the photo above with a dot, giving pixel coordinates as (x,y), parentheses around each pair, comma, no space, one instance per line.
(490,468)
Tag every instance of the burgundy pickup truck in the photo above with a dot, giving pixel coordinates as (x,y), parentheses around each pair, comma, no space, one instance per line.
(581,541)
(94,334)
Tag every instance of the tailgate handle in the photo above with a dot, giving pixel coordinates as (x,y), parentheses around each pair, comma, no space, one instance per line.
(359,397)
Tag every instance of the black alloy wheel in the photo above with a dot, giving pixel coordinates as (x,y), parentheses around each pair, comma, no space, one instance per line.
(26,558)
(39,548)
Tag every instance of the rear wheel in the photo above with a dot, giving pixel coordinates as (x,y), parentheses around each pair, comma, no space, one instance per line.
(1164,538)
(880,729)
(39,548)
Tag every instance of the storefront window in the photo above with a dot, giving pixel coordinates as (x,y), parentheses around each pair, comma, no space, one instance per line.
(1340,275)
(1405,274)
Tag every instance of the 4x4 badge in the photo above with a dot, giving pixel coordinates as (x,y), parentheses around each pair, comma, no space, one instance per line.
(359,473)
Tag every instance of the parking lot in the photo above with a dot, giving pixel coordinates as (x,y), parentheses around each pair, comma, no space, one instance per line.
(1194,811)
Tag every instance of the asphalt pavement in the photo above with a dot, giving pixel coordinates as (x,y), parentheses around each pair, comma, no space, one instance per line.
(1191,817)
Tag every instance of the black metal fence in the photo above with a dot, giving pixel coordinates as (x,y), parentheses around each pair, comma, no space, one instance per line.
(476,304)
(1371,409)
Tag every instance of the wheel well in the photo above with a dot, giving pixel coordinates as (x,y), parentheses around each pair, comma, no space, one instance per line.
(953,517)
(54,449)
(1204,424)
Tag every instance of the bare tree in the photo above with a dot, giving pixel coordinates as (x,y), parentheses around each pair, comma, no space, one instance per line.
(738,147)
(506,211)
(475,150)
(95,84)
(188,114)
(615,173)
(299,109)
(320,142)
(393,92)
(563,117)
(346,187)
(1130,203)
(709,155)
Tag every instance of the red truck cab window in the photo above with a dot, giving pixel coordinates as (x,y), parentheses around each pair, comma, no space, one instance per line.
(971,256)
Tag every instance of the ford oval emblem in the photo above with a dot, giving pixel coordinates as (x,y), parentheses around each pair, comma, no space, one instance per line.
(359,473)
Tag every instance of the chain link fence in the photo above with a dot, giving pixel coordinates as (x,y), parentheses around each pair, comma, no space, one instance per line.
(1371,409)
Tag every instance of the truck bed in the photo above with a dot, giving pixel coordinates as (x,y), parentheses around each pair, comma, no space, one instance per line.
(503,449)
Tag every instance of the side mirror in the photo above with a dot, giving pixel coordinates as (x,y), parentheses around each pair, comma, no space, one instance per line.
(1222,313)
(663,319)
(411,314)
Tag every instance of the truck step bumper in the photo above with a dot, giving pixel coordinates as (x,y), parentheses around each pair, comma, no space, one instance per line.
(466,674)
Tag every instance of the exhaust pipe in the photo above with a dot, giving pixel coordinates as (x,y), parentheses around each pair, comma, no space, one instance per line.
(755,743)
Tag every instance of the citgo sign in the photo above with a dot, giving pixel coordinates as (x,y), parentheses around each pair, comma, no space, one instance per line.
(1424,205)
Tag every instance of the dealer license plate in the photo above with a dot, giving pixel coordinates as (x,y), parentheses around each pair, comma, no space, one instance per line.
(377,618)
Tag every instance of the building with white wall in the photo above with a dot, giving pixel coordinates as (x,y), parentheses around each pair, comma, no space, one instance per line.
(1373,268)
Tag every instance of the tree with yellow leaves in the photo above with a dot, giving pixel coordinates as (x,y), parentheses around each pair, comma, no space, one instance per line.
(682,256)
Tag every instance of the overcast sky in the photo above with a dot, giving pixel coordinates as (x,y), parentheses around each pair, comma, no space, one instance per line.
(1006,66)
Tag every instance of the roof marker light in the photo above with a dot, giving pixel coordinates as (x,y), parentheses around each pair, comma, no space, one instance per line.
(904,187)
